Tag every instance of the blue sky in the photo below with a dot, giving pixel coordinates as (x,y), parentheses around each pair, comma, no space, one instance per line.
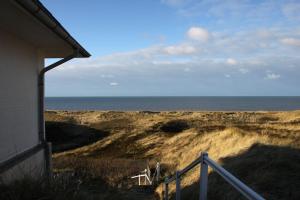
(179,48)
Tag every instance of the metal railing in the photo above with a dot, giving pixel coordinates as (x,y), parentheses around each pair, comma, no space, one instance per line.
(147,175)
(204,162)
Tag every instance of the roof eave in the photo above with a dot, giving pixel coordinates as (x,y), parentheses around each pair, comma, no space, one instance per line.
(40,12)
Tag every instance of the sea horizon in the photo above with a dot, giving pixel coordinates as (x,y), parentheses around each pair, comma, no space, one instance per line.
(175,103)
(180,96)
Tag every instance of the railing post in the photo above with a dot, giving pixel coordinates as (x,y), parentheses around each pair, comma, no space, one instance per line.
(157,171)
(139,180)
(203,177)
(177,186)
(166,189)
(48,152)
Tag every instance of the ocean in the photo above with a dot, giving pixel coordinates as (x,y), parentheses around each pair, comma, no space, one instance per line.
(174,103)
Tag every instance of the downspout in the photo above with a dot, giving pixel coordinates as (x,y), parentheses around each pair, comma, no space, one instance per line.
(41,110)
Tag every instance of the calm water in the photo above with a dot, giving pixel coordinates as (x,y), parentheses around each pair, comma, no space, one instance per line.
(173,103)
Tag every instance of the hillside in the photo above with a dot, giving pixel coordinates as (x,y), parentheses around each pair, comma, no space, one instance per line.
(260,148)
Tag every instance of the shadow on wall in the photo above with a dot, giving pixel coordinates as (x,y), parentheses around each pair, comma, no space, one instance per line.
(271,171)
(67,135)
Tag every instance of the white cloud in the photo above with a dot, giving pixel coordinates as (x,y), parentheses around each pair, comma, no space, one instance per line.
(231,61)
(290,41)
(272,76)
(187,69)
(237,50)
(107,76)
(198,34)
(180,49)
(243,70)
(113,84)
(236,40)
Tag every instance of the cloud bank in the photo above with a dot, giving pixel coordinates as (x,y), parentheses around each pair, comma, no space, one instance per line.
(206,61)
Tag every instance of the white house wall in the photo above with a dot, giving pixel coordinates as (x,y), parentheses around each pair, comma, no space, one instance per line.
(19,66)
(30,168)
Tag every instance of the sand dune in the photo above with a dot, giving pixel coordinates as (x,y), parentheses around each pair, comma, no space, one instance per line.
(261,148)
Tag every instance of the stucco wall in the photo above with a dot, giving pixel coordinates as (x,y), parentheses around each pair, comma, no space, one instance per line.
(19,66)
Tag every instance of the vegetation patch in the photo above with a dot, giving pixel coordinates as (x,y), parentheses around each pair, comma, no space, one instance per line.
(271,171)
(266,119)
(59,188)
(113,125)
(175,126)
(66,136)
(259,148)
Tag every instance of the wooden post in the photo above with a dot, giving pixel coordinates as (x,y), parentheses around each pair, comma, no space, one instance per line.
(157,171)
(139,180)
(48,159)
(177,186)
(166,189)
(203,177)
(148,171)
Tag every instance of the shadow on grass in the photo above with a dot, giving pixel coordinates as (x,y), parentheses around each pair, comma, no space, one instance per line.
(169,128)
(124,147)
(64,186)
(106,176)
(271,171)
(66,136)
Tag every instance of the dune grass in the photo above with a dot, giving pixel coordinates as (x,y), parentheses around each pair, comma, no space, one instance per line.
(233,139)
(260,148)
(35,189)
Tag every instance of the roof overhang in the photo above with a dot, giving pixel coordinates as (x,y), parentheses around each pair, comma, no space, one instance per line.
(32,22)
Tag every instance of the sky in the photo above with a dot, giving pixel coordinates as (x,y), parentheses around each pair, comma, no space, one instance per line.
(179,48)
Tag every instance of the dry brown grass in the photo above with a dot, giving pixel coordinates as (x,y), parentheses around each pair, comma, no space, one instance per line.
(234,139)
(60,188)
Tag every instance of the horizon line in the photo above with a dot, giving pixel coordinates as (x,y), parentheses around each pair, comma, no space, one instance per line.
(174,96)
